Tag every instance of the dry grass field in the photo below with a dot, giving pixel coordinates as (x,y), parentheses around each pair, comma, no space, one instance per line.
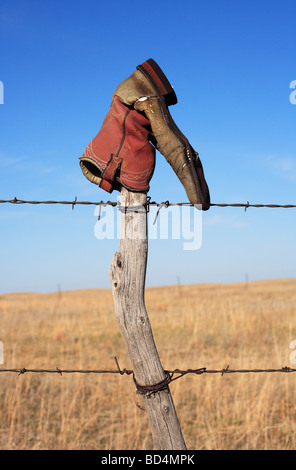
(245,326)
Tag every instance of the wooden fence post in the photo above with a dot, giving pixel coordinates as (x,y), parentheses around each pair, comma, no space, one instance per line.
(127,276)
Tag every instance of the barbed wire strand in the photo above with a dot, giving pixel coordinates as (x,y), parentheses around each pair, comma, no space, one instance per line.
(166,204)
(149,389)
(200,371)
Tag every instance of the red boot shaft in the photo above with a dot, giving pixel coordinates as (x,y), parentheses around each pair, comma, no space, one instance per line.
(121,152)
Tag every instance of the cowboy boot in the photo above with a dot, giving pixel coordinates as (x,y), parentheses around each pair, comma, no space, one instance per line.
(150,93)
(121,153)
(114,157)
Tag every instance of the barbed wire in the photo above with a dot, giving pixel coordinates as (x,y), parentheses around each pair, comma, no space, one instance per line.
(147,204)
(169,373)
(200,371)
(148,390)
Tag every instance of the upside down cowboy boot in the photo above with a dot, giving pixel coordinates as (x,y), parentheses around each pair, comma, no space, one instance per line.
(121,153)
(148,93)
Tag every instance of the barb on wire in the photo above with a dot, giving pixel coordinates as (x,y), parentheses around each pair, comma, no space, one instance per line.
(122,371)
(74,203)
(163,204)
(147,204)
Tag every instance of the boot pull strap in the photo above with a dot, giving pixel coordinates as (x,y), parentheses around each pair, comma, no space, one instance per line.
(108,174)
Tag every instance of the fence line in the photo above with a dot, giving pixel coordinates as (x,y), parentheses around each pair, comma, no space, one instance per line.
(148,204)
(171,373)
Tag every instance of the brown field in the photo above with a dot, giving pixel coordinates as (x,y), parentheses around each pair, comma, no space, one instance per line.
(245,326)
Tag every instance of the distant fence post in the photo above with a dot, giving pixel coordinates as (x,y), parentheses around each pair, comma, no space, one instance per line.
(127,276)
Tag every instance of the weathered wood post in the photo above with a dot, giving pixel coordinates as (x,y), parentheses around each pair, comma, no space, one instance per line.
(127,276)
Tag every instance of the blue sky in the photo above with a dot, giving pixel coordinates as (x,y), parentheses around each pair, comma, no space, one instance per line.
(231,64)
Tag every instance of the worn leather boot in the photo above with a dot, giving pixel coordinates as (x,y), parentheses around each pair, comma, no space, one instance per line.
(149,92)
(121,153)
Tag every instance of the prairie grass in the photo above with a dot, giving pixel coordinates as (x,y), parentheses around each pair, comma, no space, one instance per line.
(243,325)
